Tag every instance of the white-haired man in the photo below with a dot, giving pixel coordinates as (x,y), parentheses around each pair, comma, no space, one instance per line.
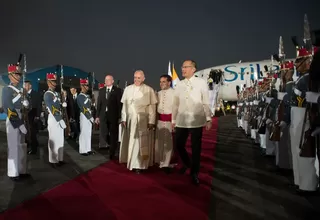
(138,118)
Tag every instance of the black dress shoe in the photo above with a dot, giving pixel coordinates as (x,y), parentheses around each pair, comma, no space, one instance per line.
(195,180)
(85,154)
(16,178)
(137,171)
(54,165)
(91,153)
(25,175)
(32,152)
(167,170)
(306,193)
(183,170)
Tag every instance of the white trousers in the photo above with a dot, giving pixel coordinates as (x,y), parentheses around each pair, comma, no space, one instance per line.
(304,170)
(263,143)
(55,141)
(85,134)
(253,133)
(17,151)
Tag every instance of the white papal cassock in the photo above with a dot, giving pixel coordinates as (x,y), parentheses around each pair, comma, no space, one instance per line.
(164,142)
(138,110)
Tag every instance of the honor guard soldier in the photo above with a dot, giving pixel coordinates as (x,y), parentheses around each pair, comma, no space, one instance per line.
(313,97)
(56,124)
(303,165)
(86,119)
(12,104)
(283,153)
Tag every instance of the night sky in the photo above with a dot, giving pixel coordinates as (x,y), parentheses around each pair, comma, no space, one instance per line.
(118,37)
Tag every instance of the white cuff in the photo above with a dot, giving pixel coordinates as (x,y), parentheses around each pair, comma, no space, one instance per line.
(297,92)
(281,95)
(268,100)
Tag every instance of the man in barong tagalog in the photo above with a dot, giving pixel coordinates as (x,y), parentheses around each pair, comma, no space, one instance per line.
(190,113)
(138,118)
(164,141)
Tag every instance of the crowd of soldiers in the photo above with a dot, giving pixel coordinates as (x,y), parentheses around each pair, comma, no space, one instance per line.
(284,120)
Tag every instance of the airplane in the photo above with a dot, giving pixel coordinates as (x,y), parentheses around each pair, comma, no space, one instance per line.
(238,74)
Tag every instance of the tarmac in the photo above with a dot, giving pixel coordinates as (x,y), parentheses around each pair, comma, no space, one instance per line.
(245,184)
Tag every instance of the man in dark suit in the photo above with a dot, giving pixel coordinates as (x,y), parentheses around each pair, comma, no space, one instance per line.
(35,107)
(73,112)
(108,115)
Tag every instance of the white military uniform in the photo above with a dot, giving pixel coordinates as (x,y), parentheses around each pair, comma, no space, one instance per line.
(86,121)
(304,167)
(164,141)
(17,149)
(56,126)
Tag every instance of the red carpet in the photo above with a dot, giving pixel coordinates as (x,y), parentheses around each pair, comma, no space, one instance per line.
(111,192)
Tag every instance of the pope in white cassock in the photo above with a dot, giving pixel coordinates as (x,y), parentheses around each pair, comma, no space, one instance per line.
(164,141)
(138,120)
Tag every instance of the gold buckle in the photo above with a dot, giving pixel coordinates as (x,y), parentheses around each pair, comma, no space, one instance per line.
(300,101)
(11,113)
(54,110)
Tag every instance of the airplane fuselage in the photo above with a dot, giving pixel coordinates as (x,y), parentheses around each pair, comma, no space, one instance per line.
(238,74)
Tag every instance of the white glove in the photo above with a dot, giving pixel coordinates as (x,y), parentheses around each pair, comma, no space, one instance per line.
(23,129)
(92,120)
(281,95)
(315,132)
(42,114)
(62,124)
(282,124)
(25,103)
(268,100)
(64,104)
(312,97)
(268,121)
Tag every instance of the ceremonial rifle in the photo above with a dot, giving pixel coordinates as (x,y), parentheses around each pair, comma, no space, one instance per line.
(308,142)
(25,110)
(263,125)
(64,109)
(93,102)
(275,133)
